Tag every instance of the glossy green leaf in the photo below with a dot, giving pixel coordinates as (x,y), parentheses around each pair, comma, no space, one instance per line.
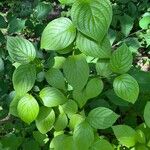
(45,119)
(61,122)
(55,78)
(92,17)
(94,87)
(83,136)
(24,78)
(103,68)
(102,118)
(20,49)
(147,113)
(92,48)
(28,108)
(126,87)
(52,97)
(125,135)
(121,60)
(76,71)
(144,22)
(101,144)
(58,34)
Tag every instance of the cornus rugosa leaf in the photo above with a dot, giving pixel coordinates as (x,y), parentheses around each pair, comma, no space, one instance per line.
(24,78)
(102,118)
(126,87)
(101,144)
(92,17)
(28,108)
(94,88)
(55,78)
(45,119)
(121,60)
(83,136)
(147,114)
(125,135)
(58,34)
(76,71)
(92,48)
(52,97)
(20,49)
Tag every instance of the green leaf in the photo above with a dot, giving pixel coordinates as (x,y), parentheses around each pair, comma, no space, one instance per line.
(125,135)
(83,136)
(52,97)
(66,1)
(121,60)
(3,23)
(55,78)
(58,34)
(16,25)
(144,22)
(103,68)
(126,24)
(101,144)
(76,70)
(63,142)
(1,65)
(28,108)
(42,10)
(94,87)
(70,107)
(45,119)
(92,17)
(30,144)
(92,48)
(61,122)
(126,87)
(102,118)
(20,49)
(146,114)
(24,78)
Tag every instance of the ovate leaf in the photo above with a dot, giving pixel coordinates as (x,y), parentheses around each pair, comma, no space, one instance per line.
(94,87)
(45,119)
(101,144)
(28,108)
(92,48)
(58,34)
(24,78)
(92,17)
(76,71)
(55,78)
(121,60)
(146,114)
(126,87)
(20,49)
(61,122)
(125,135)
(83,136)
(52,97)
(102,118)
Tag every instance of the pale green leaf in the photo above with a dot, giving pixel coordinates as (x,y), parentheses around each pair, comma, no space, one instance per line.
(144,22)
(92,48)
(126,87)
(20,49)
(147,114)
(66,1)
(55,78)
(125,135)
(28,108)
(102,118)
(45,119)
(58,34)
(92,17)
(24,78)
(76,71)
(121,60)
(83,136)
(52,97)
